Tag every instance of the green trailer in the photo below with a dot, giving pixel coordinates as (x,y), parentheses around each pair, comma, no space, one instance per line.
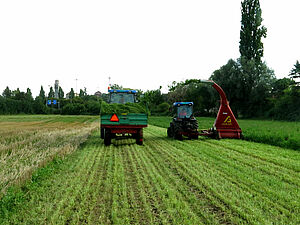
(123,125)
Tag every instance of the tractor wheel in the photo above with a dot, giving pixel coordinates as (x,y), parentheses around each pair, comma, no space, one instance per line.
(177,133)
(178,136)
(107,137)
(194,124)
(102,133)
(170,132)
(195,136)
(139,137)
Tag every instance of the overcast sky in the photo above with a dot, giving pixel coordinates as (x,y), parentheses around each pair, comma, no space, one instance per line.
(139,44)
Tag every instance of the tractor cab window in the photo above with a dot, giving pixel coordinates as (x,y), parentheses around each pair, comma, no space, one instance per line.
(122,98)
(184,111)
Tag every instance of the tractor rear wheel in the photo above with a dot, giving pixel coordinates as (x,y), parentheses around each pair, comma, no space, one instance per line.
(194,124)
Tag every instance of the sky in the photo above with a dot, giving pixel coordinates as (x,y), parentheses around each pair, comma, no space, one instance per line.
(138,44)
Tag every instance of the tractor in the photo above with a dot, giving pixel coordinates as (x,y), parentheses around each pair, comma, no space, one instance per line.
(183,123)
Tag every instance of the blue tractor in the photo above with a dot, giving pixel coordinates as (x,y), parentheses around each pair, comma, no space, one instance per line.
(183,123)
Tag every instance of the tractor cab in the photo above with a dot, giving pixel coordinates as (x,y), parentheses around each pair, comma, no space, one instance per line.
(183,110)
(122,96)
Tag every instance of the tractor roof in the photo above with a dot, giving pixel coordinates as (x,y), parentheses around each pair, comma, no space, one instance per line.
(122,91)
(182,103)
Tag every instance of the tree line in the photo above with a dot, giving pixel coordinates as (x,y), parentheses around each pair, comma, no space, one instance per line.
(18,102)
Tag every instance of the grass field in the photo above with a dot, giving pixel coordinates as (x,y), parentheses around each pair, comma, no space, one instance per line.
(165,181)
(278,133)
(29,142)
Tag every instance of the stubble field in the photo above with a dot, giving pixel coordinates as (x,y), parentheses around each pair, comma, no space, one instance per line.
(164,181)
(29,142)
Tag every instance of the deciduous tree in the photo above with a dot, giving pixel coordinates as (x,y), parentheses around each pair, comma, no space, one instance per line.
(6,93)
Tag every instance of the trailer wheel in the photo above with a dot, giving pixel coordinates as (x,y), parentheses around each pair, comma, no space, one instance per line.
(102,133)
(139,137)
(107,137)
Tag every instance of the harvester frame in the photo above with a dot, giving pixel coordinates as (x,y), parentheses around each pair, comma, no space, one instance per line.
(225,125)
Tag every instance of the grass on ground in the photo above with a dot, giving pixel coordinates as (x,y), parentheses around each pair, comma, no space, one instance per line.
(165,181)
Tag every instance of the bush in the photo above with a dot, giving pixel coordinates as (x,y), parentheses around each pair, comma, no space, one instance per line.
(74,109)
(162,109)
(287,106)
(93,107)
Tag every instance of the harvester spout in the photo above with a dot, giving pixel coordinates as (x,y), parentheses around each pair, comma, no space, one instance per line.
(219,90)
(225,124)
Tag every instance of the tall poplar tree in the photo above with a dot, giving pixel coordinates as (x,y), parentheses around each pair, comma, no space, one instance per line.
(51,93)
(42,94)
(61,93)
(252,31)
(28,95)
(71,94)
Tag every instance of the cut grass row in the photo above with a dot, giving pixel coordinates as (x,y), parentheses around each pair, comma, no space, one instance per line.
(164,182)
(277,133)
(29,142)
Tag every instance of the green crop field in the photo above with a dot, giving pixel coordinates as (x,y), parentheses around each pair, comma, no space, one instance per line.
(278,133)
(165,181)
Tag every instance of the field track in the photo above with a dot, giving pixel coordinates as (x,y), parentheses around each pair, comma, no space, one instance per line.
(167,182)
